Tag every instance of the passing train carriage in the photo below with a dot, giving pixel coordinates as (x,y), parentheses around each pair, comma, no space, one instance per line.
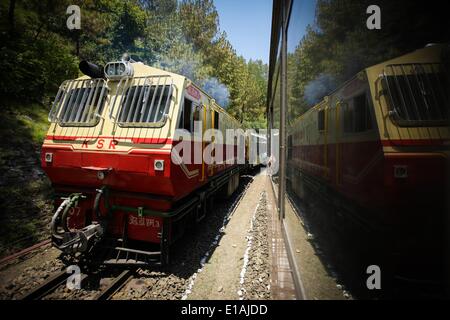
(108,156)
(379,147)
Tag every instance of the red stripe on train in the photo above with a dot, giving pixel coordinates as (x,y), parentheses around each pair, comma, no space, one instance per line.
(133,139)
(415,142)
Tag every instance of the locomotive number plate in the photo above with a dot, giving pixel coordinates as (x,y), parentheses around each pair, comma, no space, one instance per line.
(143,222)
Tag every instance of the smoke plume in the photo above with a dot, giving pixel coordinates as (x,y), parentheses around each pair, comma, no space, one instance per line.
(217,90)
(193,68)
(316,89)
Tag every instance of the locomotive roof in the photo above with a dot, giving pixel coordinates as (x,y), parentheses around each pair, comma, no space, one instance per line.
(143,70)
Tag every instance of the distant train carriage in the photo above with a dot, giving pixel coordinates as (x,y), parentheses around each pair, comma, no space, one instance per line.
(108,153)
(256,149)
(379,146)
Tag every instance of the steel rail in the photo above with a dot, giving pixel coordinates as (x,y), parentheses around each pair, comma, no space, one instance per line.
(115,286)
(47,287)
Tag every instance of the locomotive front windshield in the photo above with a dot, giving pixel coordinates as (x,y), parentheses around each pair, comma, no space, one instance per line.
(145,104)
(418,94)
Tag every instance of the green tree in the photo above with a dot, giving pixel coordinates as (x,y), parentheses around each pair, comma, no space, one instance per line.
(199,19)
(183,37)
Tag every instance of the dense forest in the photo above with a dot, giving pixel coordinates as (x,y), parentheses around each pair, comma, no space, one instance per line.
(338,44)
(38,51)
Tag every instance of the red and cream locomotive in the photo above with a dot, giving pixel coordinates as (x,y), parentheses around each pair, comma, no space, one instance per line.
(108,154)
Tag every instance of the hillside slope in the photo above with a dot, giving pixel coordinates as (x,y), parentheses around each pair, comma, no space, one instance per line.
(25,194)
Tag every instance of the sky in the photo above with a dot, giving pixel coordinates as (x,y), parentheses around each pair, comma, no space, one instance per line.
(248,25)
(302,14)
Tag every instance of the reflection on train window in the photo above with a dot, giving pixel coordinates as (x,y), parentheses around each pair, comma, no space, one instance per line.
(357,116)
(81,105)
(418,93)
(347,110)
(363,121)
(145,104)
(290,147)
(321,120)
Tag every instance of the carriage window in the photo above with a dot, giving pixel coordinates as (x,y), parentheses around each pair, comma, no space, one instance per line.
(79,103)
(145,104)
(363,120)
(216,120)
(347,110)
(197,115)
(321,120)
(356,113)
(185,117)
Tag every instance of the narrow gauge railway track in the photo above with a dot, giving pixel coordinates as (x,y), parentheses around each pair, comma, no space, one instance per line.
(117,284)
(60,279)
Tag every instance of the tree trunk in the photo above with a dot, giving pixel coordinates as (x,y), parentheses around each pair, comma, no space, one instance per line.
(11,18)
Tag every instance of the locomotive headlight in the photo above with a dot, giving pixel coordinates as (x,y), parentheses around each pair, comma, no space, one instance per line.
(121,68)
(110,70)
(118,70)
(159,165)
(401,172)
(48,157)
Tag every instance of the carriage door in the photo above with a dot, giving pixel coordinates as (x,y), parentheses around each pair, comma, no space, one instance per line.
(321,124)
(339,107)
(214,124)
(199,115)
(323,128)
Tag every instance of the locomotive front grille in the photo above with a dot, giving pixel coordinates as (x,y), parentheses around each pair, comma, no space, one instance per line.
(418,93)
(79,103)
(142,101)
